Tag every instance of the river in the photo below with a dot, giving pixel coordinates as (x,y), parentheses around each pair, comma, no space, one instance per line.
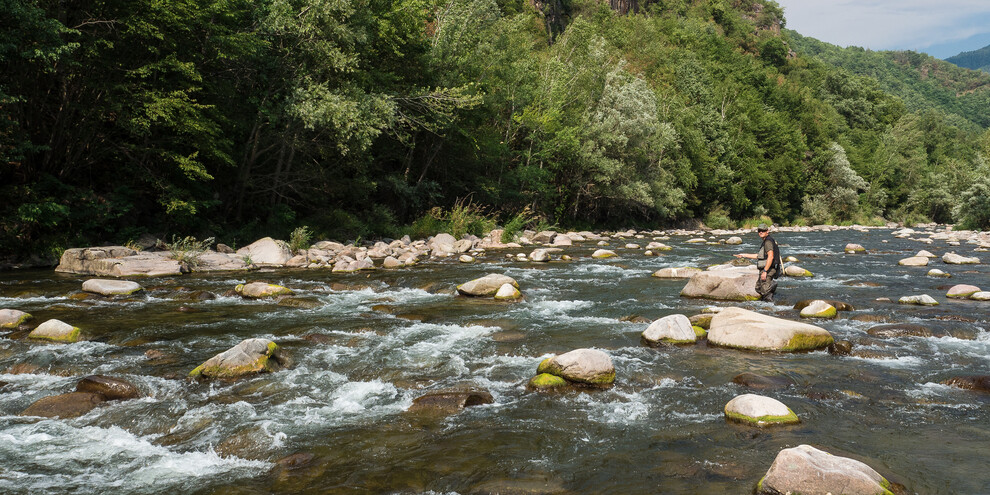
(371,342)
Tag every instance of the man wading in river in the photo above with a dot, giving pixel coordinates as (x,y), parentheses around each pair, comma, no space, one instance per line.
(768,261)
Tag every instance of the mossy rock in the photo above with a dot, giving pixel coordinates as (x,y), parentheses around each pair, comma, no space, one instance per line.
(546,381)
(249,357)
(12,318)
(806,342)
(699,331)
(56,331)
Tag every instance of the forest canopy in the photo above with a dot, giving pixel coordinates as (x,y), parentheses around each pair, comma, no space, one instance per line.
(241,118)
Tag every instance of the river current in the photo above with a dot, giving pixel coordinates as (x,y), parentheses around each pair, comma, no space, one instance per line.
(370,342)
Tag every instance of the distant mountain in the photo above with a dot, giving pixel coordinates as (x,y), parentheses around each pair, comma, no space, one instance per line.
(976,59)
(919,80)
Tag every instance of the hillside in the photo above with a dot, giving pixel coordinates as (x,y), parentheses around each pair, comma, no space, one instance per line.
(920,81)
(976,59)
(242,119)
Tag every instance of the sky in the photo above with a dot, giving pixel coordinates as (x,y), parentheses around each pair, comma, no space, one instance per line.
(941,28)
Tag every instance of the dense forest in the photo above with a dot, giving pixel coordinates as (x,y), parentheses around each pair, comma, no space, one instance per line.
(359,118)
(976,59)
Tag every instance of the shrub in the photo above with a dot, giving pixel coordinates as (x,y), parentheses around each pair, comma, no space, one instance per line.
(516,224)
(188,249)
(299,239)
(718,218)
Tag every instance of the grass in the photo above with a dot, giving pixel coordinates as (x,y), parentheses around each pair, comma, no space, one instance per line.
(187,249)
(463,218)
(299,239)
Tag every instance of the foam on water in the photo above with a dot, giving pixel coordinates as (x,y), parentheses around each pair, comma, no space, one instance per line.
(111,457)
(895,361)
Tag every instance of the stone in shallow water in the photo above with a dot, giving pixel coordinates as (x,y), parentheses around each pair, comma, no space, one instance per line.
(805,469)
(56,331)
(758,410)
(248,357)
(111,287)
(109,387)
(797,271)
(729,284)
(979,383)
(583,366)
(450,401)
(955,259)
(13,318)
(676,272)
(935,272)
(762,382)
(603,253)
(919,300)
(258,290)
(914,261)
(744,329)
(980,296)
(70,405)
(507,293)
(672,329)
(818,309)
(962,291)
(486,286)
(854,248)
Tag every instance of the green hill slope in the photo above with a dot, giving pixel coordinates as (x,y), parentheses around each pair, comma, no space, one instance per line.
(920,81)
(976,59)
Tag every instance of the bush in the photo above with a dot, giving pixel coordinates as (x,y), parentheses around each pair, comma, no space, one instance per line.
(463,218)
(188,249)
(516,224)
(299,239)
(718,218)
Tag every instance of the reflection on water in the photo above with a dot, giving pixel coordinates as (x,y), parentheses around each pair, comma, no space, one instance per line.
(336,423)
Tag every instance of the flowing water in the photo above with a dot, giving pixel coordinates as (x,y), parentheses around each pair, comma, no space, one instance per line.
(373,342)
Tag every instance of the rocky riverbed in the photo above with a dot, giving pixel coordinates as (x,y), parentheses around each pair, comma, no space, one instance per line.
(383,368)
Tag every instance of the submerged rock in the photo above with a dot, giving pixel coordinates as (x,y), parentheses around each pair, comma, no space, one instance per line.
(894,330)
(729,284)
(109,387)
(840,348)
(744,329)
(581,366)
(758,410)
(762,382)
(805,469)
(70,405)
(248,357)
(111,287)
(13,318)
(486,286)
(55,331)
(258,290)
(450,401)
(672,329)
(980,383)
(546,381)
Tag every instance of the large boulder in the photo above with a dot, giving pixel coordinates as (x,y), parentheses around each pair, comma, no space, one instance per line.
(539,255)
(676,272)
(730,284)
(581,366)
(962,291)
(117,261)
(70,405)
(734,240)
(249,357)
(214,261)
(259,290)
(266,251)
(743,329)
(809,471)
(442,243)
(111,287)
(671,329)
(759,410)
(486,286)
(955,259)
(13,318)
(55,331)
(914,261)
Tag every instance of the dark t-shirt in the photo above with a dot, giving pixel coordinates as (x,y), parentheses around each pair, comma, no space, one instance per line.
(769,244)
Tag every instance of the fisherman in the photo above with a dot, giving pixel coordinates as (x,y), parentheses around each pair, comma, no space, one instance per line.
(768,261)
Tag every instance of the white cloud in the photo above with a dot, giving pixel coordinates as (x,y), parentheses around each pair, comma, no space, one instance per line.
(888,24)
